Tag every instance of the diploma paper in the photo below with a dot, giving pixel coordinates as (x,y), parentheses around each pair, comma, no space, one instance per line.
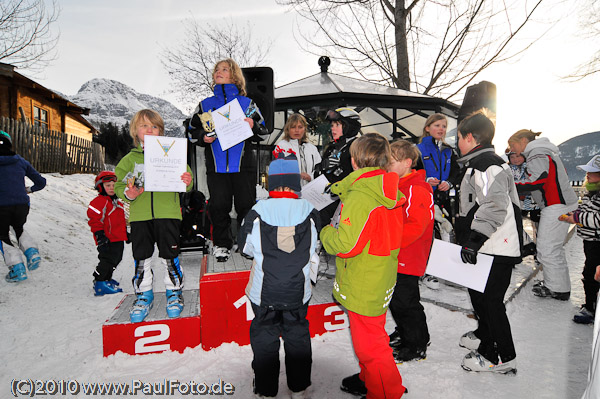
(445,263)
(313,193)
(165,160)
(230,126)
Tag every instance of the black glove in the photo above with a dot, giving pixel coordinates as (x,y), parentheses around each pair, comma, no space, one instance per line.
(101,240)
(468,253)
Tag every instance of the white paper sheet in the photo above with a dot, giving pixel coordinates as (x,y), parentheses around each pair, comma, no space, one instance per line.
(165,160)
(230,126)
(313,193)
(445,263)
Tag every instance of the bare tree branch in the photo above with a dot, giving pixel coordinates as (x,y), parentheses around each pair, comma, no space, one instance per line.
(438,46)
(190,62)
(26,36)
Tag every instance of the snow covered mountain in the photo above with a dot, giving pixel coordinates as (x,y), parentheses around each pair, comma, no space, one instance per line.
(112,101)
(578,151)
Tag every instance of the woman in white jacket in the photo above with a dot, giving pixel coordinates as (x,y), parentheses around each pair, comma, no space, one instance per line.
(295,139)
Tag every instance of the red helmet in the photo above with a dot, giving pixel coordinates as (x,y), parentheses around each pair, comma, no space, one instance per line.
(103,177)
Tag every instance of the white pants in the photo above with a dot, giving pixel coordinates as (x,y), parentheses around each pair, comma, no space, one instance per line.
(551,235)
(143,280)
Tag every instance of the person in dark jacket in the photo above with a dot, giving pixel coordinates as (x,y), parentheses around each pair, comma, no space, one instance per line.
(14,208)
(231,173)
(335,164)
(280,233)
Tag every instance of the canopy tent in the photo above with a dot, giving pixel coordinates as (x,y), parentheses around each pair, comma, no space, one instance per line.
(392,112)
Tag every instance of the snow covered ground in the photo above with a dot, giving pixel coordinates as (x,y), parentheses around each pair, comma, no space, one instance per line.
(51,328)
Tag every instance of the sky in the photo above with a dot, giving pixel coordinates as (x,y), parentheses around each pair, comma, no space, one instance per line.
(121,41)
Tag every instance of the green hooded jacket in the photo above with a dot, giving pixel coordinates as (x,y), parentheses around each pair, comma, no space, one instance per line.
(366,241)
(148,205)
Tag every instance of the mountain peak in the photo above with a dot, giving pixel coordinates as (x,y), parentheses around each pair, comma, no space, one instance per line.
(112,101)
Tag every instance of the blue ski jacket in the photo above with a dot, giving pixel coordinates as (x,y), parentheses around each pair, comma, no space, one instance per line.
(281,235)
(13,169)
(239,157)
(438,162)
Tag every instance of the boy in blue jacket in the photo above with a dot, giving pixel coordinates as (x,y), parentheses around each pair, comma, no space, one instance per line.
(14,208)
(280,233)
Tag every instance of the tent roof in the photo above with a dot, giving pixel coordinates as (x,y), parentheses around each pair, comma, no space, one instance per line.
(327,88)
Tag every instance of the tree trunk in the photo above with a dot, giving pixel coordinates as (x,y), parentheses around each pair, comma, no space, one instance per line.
(402,80)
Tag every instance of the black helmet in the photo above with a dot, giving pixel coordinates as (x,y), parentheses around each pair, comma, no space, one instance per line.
(5,140)
(103,177)
(348,117)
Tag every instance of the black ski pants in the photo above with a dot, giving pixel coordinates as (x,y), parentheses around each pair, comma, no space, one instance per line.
(109,256)
(226,189)
(591,249)
(266,328)
(494,328)
(408,313)
(13,216)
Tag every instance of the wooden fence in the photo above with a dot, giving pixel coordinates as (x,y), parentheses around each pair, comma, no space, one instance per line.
(53,151)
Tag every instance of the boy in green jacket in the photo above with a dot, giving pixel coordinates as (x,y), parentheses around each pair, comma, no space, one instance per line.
(366,242)
(155,218)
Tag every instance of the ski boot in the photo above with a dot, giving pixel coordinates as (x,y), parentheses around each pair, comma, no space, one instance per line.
(113,282)
(141,307)
(174,303)
(105,288)
(16,273)
(33,258)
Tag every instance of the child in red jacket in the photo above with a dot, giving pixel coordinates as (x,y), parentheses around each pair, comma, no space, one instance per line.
(411,337)
(107,221)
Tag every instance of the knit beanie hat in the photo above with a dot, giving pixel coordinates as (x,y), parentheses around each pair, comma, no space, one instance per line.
(5,140)
(284,172)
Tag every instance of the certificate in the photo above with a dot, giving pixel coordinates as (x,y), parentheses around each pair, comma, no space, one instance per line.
(445,263)
(230,126)
(165,160)
(313,193)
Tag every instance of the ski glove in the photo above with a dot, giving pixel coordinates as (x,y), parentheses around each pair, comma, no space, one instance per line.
(101,240)
(468,253)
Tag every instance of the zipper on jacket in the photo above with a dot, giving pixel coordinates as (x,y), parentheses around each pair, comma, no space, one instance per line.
(152,204)
(227,150)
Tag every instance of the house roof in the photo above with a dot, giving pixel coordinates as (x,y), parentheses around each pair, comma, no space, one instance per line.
(73,109)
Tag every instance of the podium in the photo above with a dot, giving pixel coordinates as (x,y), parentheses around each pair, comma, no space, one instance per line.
(217,312)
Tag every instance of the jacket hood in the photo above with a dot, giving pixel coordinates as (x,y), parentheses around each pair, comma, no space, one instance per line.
(9,159)
(542,145)
(475,152)
(374,183)
(415,175)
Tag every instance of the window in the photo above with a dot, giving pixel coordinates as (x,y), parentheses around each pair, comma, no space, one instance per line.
(40,117)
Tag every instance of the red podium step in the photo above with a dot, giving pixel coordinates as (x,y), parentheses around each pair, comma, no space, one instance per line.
(217,313)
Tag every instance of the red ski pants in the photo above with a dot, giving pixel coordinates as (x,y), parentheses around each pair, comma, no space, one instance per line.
(377,366)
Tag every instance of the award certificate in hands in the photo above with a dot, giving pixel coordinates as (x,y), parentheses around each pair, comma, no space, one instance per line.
(230,126)
(165,160)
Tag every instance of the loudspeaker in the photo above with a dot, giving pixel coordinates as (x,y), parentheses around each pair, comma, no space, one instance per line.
(480,95)
(259,87)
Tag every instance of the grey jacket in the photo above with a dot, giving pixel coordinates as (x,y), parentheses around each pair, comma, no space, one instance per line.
(547,178)
(489,204)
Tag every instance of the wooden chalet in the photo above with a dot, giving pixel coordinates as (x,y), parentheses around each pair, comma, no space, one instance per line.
(23,99)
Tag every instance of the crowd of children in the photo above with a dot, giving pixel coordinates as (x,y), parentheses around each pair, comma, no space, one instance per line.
(377,188)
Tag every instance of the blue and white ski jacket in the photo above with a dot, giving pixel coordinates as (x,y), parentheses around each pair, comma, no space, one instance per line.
(13,169)
(281,235)
(438,161)
(239,157)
